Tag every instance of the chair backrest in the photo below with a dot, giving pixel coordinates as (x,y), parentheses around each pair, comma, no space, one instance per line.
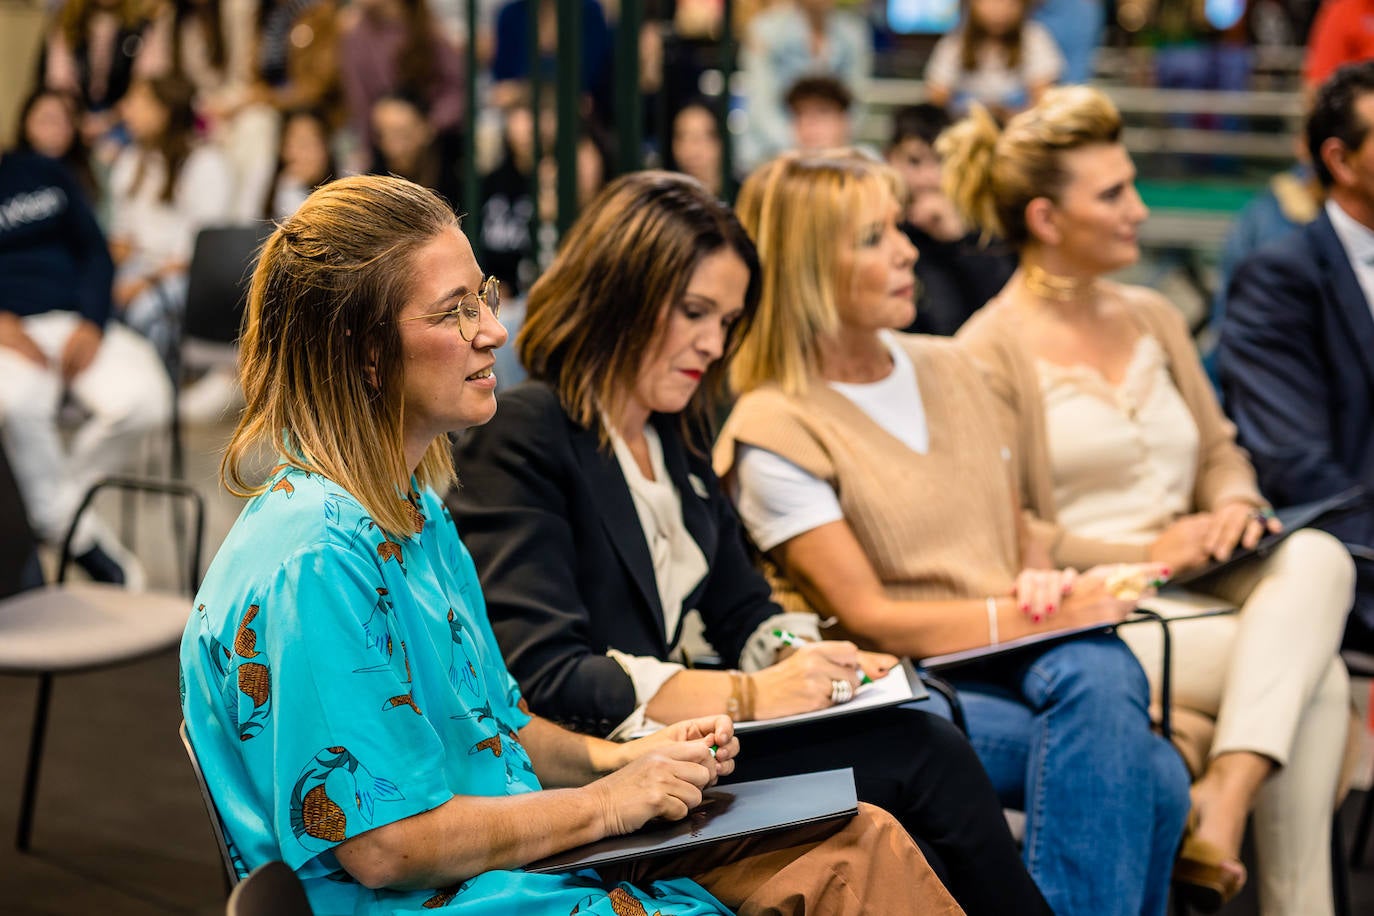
(216,824)
(19,569)
(217,283)
(270,890)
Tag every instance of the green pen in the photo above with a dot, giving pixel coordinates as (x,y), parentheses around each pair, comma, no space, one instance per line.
(794,641)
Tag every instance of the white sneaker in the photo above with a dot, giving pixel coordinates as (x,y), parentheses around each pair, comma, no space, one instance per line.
(208,399)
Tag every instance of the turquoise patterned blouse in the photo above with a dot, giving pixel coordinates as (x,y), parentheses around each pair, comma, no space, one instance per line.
(334,680)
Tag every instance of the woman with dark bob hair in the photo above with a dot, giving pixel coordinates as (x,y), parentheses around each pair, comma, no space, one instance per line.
(340,681)
(591,509)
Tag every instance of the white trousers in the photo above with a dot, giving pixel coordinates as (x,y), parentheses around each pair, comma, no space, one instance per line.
(1271,677)
(124,389)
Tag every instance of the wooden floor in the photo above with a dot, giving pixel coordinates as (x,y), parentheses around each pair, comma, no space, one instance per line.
(120,827)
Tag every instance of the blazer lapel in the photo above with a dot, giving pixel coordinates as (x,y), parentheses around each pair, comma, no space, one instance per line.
(618,515)
(1346,292)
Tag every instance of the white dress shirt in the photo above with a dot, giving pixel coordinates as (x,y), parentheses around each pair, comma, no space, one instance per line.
(1358,241)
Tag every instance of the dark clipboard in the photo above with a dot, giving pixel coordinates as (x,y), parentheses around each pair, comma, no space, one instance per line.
(725,813)
(1294,518)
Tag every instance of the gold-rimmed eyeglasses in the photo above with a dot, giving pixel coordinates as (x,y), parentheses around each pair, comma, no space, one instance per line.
(468,311)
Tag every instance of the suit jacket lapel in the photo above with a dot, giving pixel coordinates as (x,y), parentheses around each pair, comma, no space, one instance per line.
(1345,289)
(618,515)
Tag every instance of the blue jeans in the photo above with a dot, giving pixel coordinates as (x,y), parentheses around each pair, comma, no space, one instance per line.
(1065,736)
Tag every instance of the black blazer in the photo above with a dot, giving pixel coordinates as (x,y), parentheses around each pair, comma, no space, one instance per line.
(1296,361)
(564,563)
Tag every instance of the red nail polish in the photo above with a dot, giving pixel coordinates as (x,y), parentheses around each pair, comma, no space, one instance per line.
(1049,608)
(1036,619)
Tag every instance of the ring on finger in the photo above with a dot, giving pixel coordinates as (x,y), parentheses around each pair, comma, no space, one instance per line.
(841,691)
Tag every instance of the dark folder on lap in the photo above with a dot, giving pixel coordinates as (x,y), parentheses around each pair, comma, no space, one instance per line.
(725,813)
(1294,518)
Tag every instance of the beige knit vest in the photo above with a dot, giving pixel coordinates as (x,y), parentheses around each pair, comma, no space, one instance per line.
(935,526)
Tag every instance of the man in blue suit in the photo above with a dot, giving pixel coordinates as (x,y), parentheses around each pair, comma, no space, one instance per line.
(1296,355)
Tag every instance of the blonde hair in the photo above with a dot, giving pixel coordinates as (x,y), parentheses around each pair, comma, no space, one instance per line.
(992,173)
(320,354)
(594,316)
(800,208)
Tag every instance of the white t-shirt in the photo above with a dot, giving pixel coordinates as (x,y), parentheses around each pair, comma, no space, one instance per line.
(778,501)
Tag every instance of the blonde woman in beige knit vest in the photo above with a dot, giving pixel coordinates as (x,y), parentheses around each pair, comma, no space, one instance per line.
(1125,456)
(869,467)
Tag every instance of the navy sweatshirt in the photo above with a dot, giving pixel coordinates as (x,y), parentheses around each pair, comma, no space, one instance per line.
(53,255)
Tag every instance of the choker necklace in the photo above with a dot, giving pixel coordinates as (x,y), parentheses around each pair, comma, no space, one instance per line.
(1054,287)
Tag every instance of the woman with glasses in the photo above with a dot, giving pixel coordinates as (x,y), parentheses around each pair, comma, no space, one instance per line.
(340,682)
(591,510)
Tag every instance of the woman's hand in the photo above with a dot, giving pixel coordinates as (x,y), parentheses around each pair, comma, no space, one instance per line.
(1040,592)
(1094,599)
(1184,544)
(709,731)
(804,680)
(1238,524)
(667,782)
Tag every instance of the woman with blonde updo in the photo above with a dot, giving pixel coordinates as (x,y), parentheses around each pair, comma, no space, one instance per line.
(870,468)
(1125,456)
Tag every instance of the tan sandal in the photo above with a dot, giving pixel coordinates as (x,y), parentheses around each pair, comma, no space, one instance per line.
(1204,877)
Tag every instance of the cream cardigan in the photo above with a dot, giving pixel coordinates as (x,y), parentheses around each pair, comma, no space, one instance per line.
(1224,473)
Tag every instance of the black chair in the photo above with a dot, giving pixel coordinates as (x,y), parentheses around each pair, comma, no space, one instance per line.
(271,890)
(69,627)
(231,873)
(222,265)
(1361,664)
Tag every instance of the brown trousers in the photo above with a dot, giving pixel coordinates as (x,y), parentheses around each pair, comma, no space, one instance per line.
(864,866)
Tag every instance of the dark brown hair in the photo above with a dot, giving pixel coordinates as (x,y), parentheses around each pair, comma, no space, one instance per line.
(595,312)
(175,94)
(974,34)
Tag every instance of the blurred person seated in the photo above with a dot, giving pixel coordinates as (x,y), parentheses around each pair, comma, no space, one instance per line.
(404,144)
(91,52)
(363,728)
(57,344)
(695,148)
(50,125)
(394,46)
(869,467)
(164,188)
(510,63)
(1342,33)
(784,43)
(958,270)
(520,207)
(1292,199)
(997,56)
(1295,348)
(213,44)
(1077,29)
(590,508)
(305,161)
(819,108)
(297,60)
(1125,457)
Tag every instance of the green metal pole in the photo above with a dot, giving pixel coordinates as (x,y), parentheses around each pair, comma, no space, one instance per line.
(536,79)
(629,111)
(727,70)
(569,90)
(471,188)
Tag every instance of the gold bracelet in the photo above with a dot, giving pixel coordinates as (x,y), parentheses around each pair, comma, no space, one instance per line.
(749,697)
(734,704)
(992,621)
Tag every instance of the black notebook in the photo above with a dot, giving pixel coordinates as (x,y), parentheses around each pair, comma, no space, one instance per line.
(1293,518)
(725,813)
